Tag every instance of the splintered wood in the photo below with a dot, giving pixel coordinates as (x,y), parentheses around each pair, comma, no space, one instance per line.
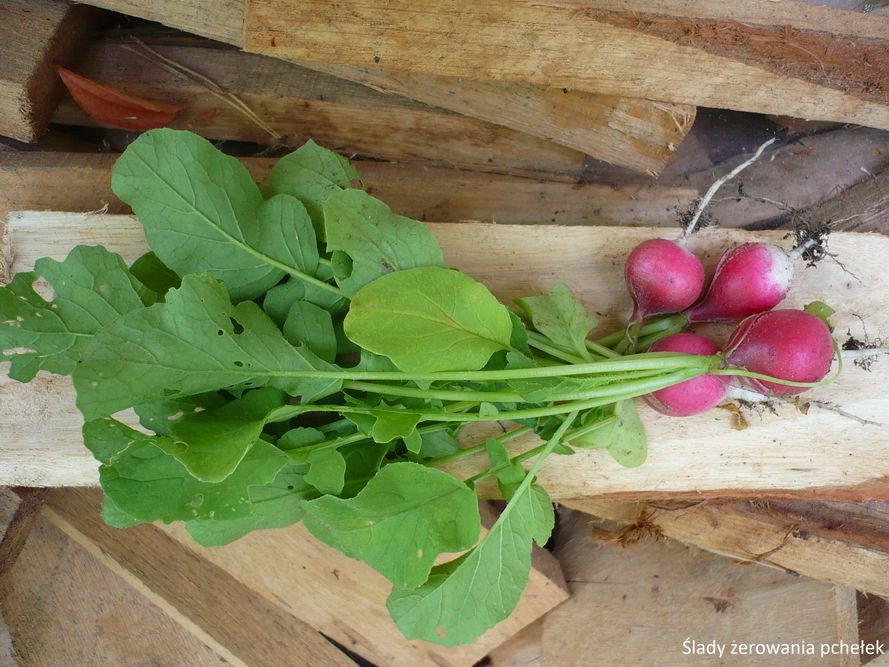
(822,453)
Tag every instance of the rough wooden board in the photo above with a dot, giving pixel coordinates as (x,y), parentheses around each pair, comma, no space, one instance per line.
(82,182)
(65,607)
(738,57)
(208,600)
(36,35)
(820,454)
(637,605)
(299,104)
(626,131)
(348,598)
(22,506)
(843,555)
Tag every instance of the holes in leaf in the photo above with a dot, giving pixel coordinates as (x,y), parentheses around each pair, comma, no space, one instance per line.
(239,364)
(220,332)
(236,326)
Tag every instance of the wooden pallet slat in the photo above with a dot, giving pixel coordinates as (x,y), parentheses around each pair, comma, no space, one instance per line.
(623,130)
(299,104)
(822,453)
(768,57)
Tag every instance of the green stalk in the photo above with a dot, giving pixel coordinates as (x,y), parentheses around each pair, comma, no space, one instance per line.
(434,394)
(618,393)
(648,328)
(644,361)
(477,449)
(539,342)
(534,451)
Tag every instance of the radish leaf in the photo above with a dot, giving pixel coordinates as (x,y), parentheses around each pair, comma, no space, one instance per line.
(311,174)
(465,597)
(400,522)
(429,319)
(368,240)
(202,212)
(194,343)
(149,485)
(92,286)
(559,316)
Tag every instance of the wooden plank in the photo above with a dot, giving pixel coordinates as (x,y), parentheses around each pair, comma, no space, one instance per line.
(82,182)
(821,454)
(626,131)
(36,35)
(348,598)
(63,606)
(640,604)
(843,551)
(250,628)
(771,57)
(299,104)
(23,506)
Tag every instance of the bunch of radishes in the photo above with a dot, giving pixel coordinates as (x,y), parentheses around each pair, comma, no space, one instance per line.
(790,345)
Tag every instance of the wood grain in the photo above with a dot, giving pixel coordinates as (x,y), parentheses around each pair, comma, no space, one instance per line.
(206,599)
(36,35)
(820,454)
(64,606)
(299,104)
(626,131)
(771,57)
(840,553)
(638,605)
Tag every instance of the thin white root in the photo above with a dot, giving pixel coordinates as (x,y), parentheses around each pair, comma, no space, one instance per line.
(705,200)
(864,353)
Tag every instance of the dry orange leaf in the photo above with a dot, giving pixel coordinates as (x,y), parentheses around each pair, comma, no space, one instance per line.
(108,106)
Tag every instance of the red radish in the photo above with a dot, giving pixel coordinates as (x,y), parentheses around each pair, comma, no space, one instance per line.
(662,277)
(749,279)
(692,396)
(787,344)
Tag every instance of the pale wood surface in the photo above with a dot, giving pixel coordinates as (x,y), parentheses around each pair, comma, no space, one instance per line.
(36,35)
(299,103)
(819,454)
(670,50)
(763,535)
(348,598)
(638,604)
(206,600)
(64,607)
(627,131)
